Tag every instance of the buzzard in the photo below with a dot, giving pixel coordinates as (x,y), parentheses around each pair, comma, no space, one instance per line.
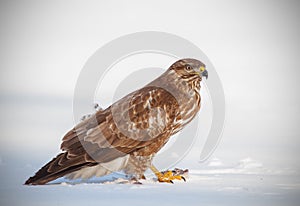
(127,135)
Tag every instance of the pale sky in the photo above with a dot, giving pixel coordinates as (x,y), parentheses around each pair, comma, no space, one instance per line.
(253,45)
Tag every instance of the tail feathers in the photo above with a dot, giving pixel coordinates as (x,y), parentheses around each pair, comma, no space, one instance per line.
(100,170)
(57,167)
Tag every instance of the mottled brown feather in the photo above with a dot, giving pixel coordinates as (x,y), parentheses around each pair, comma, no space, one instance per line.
(140,123)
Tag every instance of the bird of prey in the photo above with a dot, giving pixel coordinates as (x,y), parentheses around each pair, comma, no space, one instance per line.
(127,135)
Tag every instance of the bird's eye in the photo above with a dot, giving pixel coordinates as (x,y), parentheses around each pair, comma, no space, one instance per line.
(188,67)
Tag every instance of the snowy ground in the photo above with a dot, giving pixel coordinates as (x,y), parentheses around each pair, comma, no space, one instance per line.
(246,183)
(269,177)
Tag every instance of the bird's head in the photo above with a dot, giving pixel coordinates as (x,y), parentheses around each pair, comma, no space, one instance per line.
(189,68)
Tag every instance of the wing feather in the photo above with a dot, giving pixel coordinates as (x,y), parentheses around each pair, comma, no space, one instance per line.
(130,124)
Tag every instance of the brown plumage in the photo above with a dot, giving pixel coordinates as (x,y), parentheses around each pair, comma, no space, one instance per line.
(131,131)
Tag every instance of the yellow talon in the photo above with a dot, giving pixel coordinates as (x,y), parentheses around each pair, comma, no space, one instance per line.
(167,176)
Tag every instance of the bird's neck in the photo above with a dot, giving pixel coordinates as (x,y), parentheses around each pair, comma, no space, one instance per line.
(182,89)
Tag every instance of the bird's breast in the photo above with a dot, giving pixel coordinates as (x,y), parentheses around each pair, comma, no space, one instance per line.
(188,111)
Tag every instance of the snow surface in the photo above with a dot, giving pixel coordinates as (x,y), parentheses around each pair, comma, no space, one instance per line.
(245,183)
(227,179)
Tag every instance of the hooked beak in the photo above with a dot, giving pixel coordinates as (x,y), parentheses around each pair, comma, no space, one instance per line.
(205,74)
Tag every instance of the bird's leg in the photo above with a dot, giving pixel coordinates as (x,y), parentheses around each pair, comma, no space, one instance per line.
(166,176)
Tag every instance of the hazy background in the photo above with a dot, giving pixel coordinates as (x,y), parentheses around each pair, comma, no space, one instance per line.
(254,46)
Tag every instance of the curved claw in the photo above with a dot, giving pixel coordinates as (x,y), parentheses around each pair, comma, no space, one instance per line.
(167,176)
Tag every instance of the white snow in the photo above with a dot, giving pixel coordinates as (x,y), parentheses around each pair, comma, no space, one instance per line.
(247,182)
(219,181)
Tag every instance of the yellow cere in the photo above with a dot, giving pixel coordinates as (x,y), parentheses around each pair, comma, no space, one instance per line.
(202,69)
